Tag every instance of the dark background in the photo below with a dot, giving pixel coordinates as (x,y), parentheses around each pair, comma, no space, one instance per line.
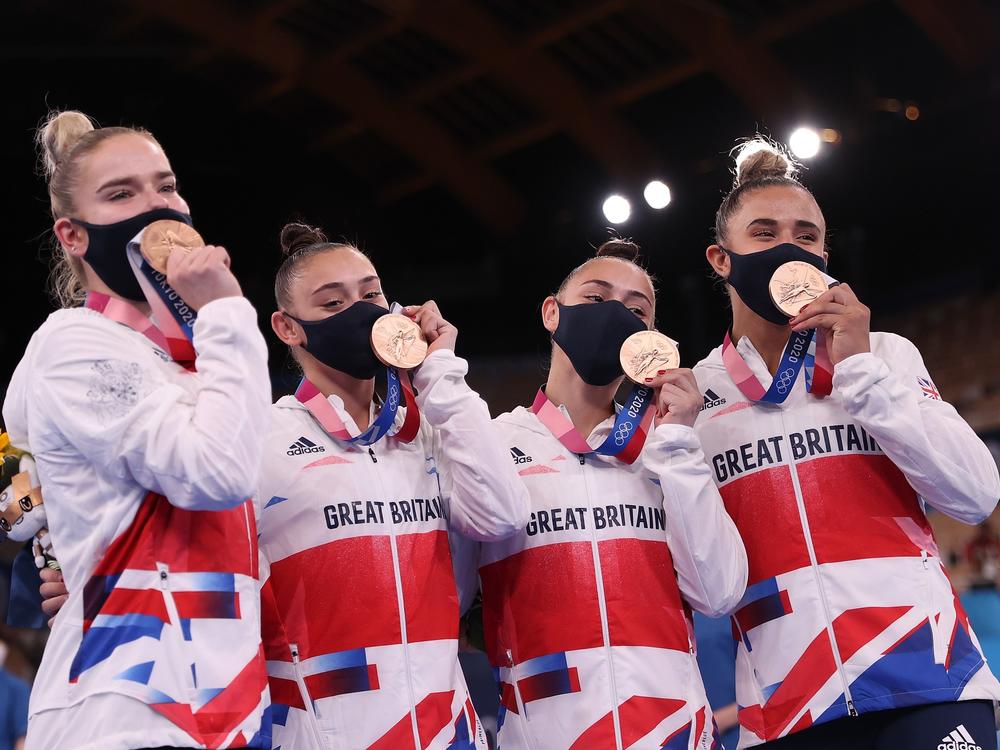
(467,146)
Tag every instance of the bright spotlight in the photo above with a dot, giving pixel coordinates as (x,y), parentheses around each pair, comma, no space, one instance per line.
(804,143)
(657,194)
(617,209)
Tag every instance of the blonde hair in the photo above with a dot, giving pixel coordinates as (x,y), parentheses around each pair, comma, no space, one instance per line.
(63,140)
(760,163)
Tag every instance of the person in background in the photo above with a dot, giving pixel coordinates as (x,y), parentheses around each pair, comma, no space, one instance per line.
(717,662)
(14,694)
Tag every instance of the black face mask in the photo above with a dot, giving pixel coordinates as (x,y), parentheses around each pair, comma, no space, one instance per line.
(106,249)
(592,334)
(751,273)
(343,341)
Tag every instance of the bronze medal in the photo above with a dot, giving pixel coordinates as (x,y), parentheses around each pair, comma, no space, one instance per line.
(645,353)
(161,237)
(794,285)
(398,342)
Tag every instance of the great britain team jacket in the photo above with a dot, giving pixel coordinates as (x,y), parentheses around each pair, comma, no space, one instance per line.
(586,612)
(146,468)
(360,604)
(848,608)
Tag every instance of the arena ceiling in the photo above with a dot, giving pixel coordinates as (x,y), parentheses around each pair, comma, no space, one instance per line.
(469,143)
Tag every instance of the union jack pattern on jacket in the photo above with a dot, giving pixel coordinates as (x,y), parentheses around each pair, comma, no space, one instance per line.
(848,608)
(360,605)
(586,611)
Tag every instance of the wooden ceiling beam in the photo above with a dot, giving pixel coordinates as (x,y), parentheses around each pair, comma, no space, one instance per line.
(746,66)
(788,24)
(963,29)
(475,185)
(531,73)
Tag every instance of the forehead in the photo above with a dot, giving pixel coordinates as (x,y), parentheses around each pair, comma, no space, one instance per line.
(617,271)
(779,202)
(342,264)
(123,156)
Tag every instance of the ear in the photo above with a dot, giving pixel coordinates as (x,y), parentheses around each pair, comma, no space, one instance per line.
(718,259)
(287,329)
(72,237)
(550,314)
(826,255)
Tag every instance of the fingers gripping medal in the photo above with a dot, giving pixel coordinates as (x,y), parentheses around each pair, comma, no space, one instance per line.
(172,324)
(162,237)
(645,353)
(794,285)
(398,342)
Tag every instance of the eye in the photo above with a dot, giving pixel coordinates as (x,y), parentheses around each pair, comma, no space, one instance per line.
(119,195)
(806,237)
(594,297)
(763,233)
(639,312)
(170,187)
(332,303)
(375,293)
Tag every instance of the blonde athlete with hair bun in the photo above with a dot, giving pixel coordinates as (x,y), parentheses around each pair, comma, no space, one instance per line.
(586,612)
(147,459)
(850,634)
(361,498)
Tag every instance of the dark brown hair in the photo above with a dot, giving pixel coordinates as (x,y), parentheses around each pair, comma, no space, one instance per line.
(299,242)
(760,163)
(617,247)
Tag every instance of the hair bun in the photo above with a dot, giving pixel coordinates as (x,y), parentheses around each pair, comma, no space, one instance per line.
(618,248)
(760,159)
(295,236)
(59,135)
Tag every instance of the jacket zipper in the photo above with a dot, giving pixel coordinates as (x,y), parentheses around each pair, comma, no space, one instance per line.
(175,620)
(306,700)
(528,737)
(814,564)
(937,641)
(402,612)
(603,605)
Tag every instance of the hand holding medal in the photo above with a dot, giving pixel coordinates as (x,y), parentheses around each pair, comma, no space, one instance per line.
(651,359)
(844,321)
(814,300)
(398,341)
(199,273)
(437,332)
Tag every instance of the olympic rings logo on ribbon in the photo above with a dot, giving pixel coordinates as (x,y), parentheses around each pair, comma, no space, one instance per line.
(622,433)
(784,380)
(393,395)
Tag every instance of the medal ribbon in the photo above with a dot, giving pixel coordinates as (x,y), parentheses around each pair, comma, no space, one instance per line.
(804,348)
(127,314)
(398,386)
(627,436)
(173,316)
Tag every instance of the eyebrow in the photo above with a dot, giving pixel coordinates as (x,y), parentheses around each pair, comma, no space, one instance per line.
(800,223)
(341,285)
(608,285)
(121,181)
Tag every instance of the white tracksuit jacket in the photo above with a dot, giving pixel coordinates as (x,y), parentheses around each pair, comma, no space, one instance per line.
(586,611)
(360,606)
(848,608)
(146,470)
